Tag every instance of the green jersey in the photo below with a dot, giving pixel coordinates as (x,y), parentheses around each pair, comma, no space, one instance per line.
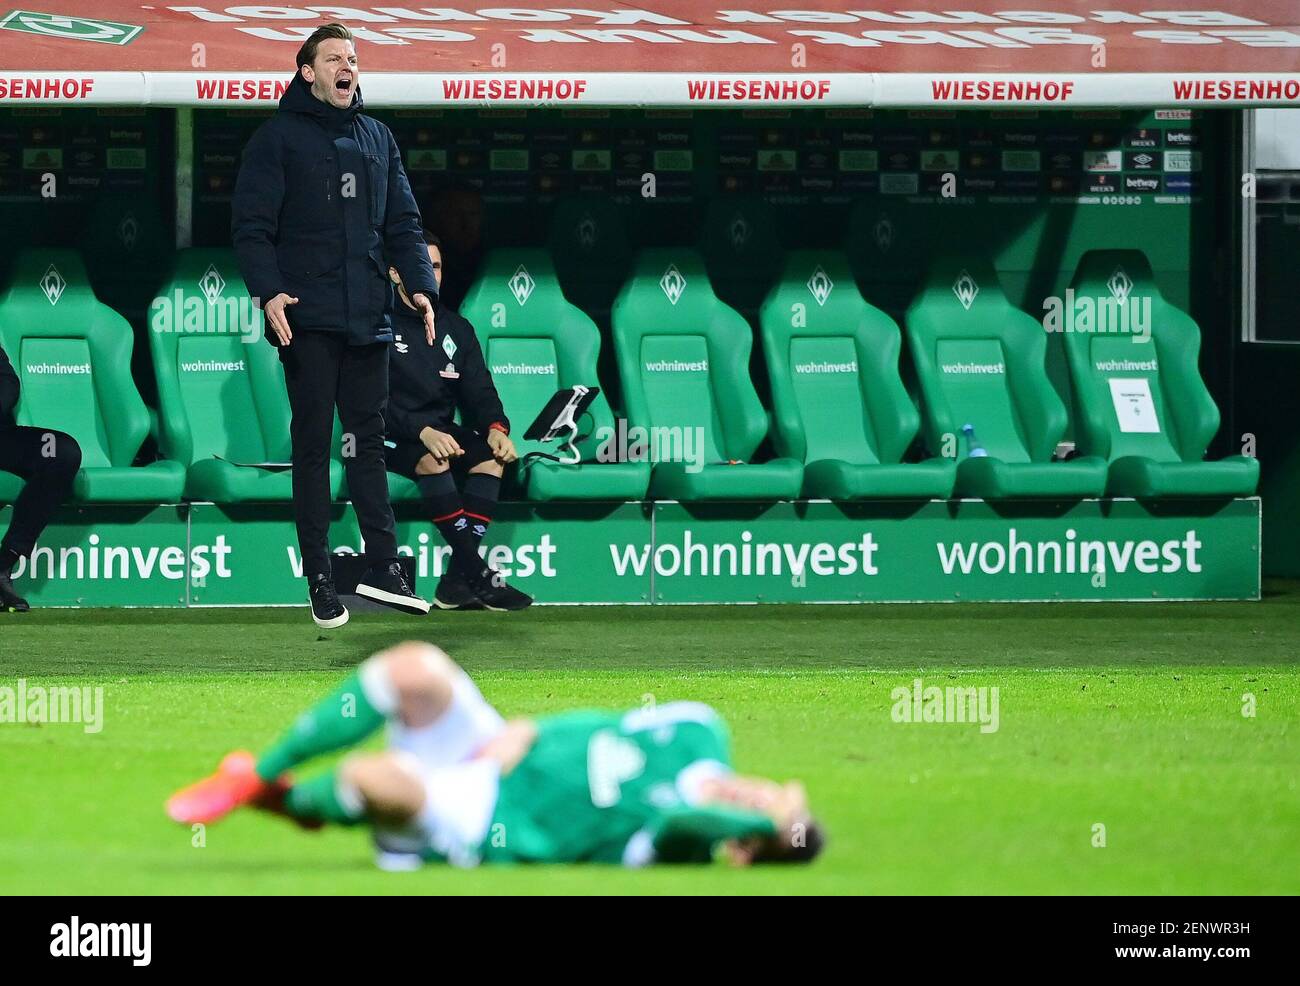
(618,787)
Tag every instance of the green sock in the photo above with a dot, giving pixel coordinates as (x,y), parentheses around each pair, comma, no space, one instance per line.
(320,799)
(343,718)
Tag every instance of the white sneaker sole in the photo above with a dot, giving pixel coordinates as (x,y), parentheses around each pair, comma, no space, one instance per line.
(408,604)
(333,624)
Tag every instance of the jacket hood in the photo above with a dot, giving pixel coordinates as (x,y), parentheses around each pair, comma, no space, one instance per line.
(298,98)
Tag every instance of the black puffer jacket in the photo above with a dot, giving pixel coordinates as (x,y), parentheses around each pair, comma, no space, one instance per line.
(9,390)
(321,199)
(428,384)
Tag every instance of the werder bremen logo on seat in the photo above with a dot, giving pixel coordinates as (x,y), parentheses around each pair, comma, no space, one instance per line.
(128,230)
(884,234)
(1120,285)
(212,284)
(965,289)
(522,284)
(739,232)
(587,232)
(820,284)
(673,283)
(52,284)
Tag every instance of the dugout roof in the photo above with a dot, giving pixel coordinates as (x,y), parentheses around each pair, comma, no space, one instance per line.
(670,53)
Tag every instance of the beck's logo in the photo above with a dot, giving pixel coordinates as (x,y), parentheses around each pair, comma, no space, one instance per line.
(1120,285)
(820,284)
(449,347)
(212,284)
(52,284)
(673,284)
(401,347)
(522,284)
(965,289)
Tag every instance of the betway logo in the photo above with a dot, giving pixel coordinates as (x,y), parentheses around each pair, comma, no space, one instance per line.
(1254,90)
(677,366)
(523,369)
(748,557)
(973,367)
(1071,557)
(747,90)
(1000,90)
(525,90)
(212,366)
(57,369)
(849,367)
(246,89)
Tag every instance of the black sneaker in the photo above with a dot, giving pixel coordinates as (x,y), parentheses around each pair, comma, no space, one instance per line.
(492,591)
(454,592)
(386,584)
(10,601)
(326,609)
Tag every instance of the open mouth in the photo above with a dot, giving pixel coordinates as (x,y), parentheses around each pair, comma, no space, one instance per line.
(343,84)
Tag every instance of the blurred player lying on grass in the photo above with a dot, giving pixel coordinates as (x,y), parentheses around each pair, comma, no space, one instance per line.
(458,783)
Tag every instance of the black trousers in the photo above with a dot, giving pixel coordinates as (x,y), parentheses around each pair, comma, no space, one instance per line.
(323,372)
(49,461)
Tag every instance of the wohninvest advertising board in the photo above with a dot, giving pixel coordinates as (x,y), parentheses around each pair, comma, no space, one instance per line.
(208,555)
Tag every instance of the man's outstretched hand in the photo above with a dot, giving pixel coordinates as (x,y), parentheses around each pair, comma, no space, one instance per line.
(425,307)
(276,318)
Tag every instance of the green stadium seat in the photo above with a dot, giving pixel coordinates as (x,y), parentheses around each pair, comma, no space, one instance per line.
(588,242)
(1120,382)
(221,392)
(981,362)
(839,404)
(536,342)
(73,357)
(742,251)
(127,246)
(684,361)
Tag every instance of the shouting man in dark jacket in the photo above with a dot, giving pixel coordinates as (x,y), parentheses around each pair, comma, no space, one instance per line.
(49,461)
(430,382)
(320,202)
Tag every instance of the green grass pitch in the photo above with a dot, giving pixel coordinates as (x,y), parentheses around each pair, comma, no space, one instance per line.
(1125,716)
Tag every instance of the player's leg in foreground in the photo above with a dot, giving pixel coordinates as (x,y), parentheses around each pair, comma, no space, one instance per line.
(414,685)
(462,518)
(49,461)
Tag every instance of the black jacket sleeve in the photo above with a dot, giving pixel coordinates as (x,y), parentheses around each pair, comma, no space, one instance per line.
(9,389)
(404,244)
(255,214)
(402,424)
(477,397)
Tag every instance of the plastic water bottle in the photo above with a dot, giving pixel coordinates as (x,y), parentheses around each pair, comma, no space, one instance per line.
(974,450)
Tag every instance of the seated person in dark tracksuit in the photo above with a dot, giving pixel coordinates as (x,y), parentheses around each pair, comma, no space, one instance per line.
(49,461)
(426,385)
